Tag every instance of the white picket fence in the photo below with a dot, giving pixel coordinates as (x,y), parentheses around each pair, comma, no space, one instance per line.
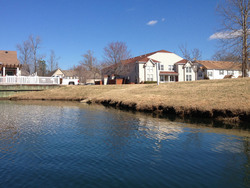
(5,80)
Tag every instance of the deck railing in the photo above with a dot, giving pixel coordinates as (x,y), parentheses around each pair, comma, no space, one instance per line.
(5,80)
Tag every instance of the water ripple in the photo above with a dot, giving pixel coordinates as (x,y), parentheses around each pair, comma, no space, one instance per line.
(52,145)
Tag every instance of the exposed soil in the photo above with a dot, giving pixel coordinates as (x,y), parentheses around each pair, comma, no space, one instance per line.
(223,100)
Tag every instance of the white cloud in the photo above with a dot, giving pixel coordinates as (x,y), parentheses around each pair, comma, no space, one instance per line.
(163,19)
(226,35)
(152,22)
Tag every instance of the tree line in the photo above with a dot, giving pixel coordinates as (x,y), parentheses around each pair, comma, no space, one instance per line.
(31,59)
(233,40)
(233,35)
(34,62)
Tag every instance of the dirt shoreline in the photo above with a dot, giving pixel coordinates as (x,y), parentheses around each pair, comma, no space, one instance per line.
(227,101)
(233,119)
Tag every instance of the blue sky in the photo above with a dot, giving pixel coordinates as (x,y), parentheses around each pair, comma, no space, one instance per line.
(71,27)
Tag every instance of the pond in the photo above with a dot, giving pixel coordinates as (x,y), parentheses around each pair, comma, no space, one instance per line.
(63,144)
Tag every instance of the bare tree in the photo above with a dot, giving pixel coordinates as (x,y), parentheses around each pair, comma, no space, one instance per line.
(81,73)
(53,61)
(35,43)
(222,55)
(236,28)
(25,55)
(194,54)
(114,52)
(88,67)
(89,61)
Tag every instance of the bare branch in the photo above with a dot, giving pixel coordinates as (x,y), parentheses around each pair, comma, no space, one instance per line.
(235,21)
(53,61)
(114,52)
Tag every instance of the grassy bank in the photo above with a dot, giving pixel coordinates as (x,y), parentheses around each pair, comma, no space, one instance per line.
(227,99)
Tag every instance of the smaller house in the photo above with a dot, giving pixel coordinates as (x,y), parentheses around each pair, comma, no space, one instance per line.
(186,70)
(218,69)
(9,64)
(68,74)
(92,78)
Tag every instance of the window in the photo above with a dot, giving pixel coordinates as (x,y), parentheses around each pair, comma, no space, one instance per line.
(170,67)
(200,74)
(221,72)
(162,78)
(150,68)
(210,73)
(162,67)
(149,77)
(172,79)
(230,72)
(188,69)
(188,78)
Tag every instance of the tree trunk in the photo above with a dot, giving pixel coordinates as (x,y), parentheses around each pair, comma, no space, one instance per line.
(244,45)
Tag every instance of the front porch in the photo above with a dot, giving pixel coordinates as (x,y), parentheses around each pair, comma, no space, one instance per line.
(168,77)
(9,70)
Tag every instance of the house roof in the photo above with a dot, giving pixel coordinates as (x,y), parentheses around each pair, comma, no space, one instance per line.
(67,73)
(183,61)
(142,58)
(220,65)
(9,58)
(168,73)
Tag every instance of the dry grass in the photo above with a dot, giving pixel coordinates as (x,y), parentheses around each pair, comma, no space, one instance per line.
(232,94)
(223,100)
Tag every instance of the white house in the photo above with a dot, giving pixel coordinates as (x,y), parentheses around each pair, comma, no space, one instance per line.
(69,74)
(187,70)
(217,69)
(171,68)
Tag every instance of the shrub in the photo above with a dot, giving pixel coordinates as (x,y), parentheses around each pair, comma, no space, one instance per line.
(206,77)
(150,82)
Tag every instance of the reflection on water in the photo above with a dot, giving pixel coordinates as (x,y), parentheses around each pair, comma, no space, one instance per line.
(62,144)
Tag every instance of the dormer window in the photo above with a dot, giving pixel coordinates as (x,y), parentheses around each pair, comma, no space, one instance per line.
(150,68)
(170,67)
(188,69)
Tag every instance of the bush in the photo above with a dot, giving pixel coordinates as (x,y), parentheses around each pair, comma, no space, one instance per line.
(206,77)
(150,82)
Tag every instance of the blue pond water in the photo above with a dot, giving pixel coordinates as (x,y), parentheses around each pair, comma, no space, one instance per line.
(74,145)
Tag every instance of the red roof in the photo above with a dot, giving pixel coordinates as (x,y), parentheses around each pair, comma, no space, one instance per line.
(183,61)
(168,73)
(141,58)
(220,65)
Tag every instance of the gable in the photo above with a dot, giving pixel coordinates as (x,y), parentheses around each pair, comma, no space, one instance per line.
(168,58)
(188,64)
(58,72)
(149,63)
